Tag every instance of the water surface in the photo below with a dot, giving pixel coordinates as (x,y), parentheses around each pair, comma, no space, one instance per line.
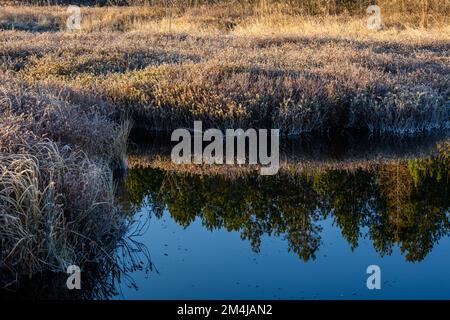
(308,232)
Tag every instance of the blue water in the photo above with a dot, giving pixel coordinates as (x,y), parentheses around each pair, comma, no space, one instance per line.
(300,234)
(194,263)
(228,236)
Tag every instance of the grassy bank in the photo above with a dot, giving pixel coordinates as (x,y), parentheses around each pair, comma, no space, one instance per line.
(233,67)
(296,84)
(254,65)
(57,198)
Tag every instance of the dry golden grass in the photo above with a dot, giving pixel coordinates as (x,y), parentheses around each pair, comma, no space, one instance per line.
(227,16)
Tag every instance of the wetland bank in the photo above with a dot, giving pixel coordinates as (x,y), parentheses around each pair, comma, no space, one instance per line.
(69,100)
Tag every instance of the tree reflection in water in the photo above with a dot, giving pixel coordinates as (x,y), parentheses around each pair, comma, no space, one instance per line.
(404,203)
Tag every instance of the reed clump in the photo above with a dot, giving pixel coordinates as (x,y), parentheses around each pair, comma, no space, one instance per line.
(57,208)
(57,196)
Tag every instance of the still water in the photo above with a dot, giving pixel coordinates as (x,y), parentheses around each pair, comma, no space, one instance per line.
(309,232)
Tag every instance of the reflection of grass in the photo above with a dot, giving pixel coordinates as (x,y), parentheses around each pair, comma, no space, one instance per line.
(397,205)
(308,156)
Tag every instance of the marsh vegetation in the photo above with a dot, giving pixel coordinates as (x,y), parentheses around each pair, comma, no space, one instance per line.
(69,99)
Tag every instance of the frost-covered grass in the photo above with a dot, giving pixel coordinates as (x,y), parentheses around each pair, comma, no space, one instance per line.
(65,97)
(386,83)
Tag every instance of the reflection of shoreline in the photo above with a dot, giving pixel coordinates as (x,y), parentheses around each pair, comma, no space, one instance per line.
(301,154)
